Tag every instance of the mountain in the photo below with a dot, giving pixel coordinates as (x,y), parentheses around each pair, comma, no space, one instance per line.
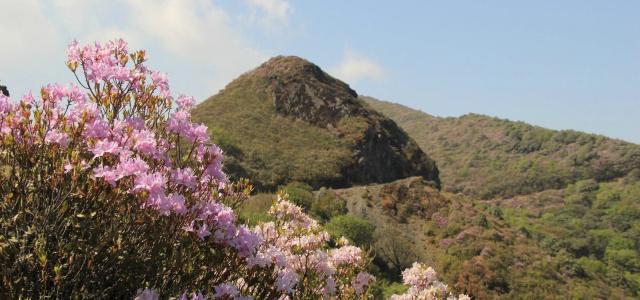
(490,157)
(288,120)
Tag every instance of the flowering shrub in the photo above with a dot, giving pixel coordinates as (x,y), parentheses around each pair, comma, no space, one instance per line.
(424,285)
(297,246)
(108,187)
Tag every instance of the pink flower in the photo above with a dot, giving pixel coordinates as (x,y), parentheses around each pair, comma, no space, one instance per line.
(185,102)
(362,280)
(145,141)
(286,281)
(346,255)
(105,173)
(184,177)
(130,166)
(246,241)
(225,290)
(96,129)
(54,136)
(161,82)
(153,183)
(203,231)
(103,147)
(74,52)
(177,204)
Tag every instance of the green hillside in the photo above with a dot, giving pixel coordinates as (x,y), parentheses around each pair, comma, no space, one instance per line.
(288,120)
(490,157)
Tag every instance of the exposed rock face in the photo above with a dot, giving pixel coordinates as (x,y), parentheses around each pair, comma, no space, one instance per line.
(377,150)
(383,153)
(302,90)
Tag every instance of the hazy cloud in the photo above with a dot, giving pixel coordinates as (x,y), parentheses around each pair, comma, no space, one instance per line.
(271,12)
(355,67)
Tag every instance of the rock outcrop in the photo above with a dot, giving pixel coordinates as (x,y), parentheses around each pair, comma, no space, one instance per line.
(299,91)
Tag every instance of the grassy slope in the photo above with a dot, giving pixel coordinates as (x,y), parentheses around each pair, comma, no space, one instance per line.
(266,147)
(490,157)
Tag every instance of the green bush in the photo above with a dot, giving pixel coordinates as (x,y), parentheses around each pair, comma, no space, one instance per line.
(357,230)
(300,194)
(328,205)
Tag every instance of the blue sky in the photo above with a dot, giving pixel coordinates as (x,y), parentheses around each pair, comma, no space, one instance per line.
(557,64)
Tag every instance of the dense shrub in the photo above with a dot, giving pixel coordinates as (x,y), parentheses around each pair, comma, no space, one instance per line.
(300,194)
(357,230)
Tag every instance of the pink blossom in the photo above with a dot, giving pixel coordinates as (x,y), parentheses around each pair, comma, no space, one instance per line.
(153,183)
(74,52)
(185,102)
(362,280)
(177,204)
(286,281)
(103,147)
(346,255)
(97,128)
(184,177)
(130,166)
(54,136)
(225,290)
(203,231)
(145,141)
(147,294)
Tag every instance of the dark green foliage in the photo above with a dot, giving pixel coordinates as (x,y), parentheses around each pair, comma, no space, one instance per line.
(327,205)
(300,194)
(357,230)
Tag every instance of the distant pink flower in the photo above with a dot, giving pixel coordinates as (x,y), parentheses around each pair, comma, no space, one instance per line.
(346,255)
(362,280)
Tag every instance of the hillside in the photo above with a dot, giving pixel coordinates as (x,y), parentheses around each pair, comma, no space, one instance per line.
(288,120)
(493,252)
(488,249)
(490,157)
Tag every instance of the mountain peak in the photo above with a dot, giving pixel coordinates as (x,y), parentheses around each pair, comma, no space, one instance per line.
(302,90)
(292,121)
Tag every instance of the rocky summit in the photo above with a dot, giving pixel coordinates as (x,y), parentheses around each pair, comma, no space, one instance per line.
(288,120)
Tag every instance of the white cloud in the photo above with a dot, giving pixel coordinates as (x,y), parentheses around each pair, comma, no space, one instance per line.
(193,40)
(356,67)
(270,13)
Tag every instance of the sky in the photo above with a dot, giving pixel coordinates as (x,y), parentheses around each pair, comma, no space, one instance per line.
(557,64)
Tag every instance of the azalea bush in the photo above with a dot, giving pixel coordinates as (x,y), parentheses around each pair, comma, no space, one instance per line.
(108,190)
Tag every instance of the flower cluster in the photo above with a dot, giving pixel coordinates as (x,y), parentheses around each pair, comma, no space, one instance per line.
(297,247)
(424,285)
